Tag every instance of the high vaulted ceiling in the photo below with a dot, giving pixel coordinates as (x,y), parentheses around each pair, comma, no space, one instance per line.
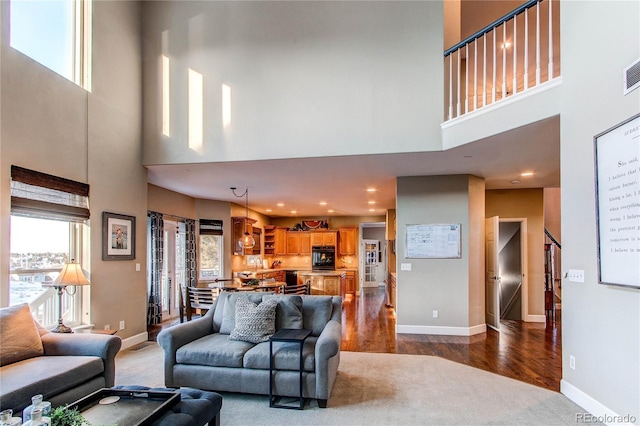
(301,184)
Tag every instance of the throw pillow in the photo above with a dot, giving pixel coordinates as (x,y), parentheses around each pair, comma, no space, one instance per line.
(288,312)
(19,336)
(254,323)
(229,314)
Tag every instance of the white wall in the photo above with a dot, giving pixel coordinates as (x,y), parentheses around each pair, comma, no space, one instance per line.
(51,125)
(600,323)
(307,79)
(450,286)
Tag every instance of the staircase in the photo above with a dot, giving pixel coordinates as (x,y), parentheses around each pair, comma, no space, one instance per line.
(552,283)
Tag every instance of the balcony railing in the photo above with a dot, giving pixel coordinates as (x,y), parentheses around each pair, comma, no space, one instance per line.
(514,54)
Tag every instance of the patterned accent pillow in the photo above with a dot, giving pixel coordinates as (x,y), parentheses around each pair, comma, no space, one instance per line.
(254,323)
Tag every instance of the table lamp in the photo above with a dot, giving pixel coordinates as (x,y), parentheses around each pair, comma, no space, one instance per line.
(70,276)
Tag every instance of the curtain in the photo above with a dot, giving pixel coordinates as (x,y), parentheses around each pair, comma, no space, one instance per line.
(191,272)
(155,232)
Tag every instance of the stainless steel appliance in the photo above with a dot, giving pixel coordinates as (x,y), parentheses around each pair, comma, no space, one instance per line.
(323,258)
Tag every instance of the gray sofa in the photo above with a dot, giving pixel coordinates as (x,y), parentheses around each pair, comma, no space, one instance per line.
(201,354)
(61,367)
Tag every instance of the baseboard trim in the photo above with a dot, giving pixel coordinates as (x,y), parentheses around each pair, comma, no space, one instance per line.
(441,331)
(134,340)
(536,318)
(595,409)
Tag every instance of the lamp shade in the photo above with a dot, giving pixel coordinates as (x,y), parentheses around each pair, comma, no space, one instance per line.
(247,241)
(71,275)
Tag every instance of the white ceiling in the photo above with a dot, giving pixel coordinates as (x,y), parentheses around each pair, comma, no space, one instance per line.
(301,184)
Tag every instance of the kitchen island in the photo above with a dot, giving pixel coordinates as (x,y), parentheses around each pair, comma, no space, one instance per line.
(330,283)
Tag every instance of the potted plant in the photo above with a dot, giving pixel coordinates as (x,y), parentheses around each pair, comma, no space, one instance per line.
(62,416)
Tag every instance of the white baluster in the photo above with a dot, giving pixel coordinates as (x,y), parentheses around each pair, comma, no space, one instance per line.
(493,90)
(458,80)
(504,60)
(484,72)
(550,42)
(475,74)
(537,44)
(466,79)
(450,87)
(514,88)
(526,50)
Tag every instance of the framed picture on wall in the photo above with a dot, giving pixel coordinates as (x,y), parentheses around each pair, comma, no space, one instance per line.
(118,236)
(617,161)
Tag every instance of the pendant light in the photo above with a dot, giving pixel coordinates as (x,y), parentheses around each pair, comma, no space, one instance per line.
(246,241)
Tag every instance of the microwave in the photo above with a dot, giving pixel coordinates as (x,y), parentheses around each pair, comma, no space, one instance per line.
(323,258)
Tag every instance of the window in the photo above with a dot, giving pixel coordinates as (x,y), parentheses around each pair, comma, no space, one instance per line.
(56,33)
(211,249)
(48,229)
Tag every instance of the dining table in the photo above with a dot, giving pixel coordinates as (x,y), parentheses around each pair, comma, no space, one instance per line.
(226,285)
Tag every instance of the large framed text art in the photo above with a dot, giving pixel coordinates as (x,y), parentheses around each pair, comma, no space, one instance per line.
(433,241)
(617,163)
(118,236)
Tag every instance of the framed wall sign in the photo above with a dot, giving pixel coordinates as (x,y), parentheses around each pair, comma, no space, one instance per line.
(433,241)
(118,236)
(617,163)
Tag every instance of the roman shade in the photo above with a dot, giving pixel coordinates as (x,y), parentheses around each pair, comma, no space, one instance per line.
(210,227)
(38,194)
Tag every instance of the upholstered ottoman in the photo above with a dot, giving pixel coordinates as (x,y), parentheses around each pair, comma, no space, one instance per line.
(196,407)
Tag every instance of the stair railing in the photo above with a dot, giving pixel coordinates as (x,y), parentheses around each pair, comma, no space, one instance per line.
(508,73)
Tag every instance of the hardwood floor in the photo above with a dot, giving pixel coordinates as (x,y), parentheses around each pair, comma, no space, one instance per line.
(529,352)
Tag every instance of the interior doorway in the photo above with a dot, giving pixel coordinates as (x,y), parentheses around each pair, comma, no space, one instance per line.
(373,254)
(173,268)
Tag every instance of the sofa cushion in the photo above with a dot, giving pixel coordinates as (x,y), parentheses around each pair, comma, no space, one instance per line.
(254,322)
(316,312)
(215,350)
(286,356)
(48,375)
(288,311)
(229,313)
(19,335)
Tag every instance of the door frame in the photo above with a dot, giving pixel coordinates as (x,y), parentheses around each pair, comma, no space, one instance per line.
(524,257)
(383,244)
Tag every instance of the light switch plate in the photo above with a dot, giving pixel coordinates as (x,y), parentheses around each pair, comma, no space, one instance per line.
(405,266)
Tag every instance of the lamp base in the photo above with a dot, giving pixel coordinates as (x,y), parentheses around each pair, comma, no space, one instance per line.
(61,328)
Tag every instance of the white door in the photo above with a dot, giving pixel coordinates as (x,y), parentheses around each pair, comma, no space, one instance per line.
(371,263)
(492,271)
(173,274)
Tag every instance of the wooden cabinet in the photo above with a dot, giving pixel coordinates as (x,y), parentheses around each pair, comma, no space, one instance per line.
(240,225)
(298,242)
(347,241)
(323,238)
(350,282)
(279,276)
(275,240)
(326,285)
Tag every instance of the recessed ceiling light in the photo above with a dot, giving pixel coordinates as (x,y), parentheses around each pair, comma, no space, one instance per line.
(280,204)
(515,182)
(323,203)
(371,190)
(293,212)
(268,210)
(330,211)
(372,210)
(372,202)
(526,174)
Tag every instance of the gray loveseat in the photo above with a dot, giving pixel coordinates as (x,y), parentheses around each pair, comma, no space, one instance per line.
(200,353)
(61,367)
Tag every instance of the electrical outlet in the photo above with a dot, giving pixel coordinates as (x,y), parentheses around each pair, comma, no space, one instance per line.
(576,275)
(107,327)
(405,266)
(435,314)
(572,362)
(122,325)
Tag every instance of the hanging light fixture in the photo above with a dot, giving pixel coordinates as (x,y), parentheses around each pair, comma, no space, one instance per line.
(246,241)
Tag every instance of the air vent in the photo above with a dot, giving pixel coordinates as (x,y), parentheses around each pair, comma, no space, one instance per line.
(631,77)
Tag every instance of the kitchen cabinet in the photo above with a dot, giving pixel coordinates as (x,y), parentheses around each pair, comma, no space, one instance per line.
(326,285)
(323,238)
(347,241)
(275,240)
(240,225)
(350,282)
(279,276)
(298,242)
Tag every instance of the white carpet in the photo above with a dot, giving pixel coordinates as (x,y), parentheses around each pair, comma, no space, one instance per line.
(388,389)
